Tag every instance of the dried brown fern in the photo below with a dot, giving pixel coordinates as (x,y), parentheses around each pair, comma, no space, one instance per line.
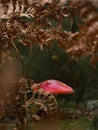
(86,41)
(30,21)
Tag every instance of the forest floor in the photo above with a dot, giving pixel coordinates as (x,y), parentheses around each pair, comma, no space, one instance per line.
(61,124)
(74,124)
(59,121)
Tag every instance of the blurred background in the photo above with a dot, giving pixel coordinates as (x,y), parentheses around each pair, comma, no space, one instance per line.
(54,63)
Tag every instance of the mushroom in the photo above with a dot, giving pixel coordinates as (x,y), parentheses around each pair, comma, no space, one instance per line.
(55,87)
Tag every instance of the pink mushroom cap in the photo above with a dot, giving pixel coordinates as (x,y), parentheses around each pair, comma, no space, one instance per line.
(55,87)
